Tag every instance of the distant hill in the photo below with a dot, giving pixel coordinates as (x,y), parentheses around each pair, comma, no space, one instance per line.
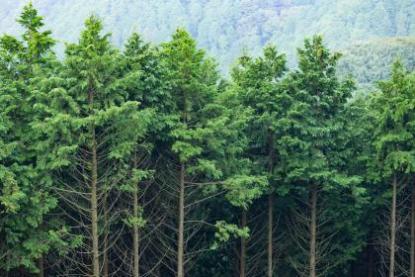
(371,60)
(227,27)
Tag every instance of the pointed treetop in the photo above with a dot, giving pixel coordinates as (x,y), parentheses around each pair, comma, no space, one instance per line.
(136,46)
(182,49)
(30,19)
(38,42)
(254,72)
(91,36)
(315,56)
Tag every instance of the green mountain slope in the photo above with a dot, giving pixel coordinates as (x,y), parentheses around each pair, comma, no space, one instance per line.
(226,28)
(372,60)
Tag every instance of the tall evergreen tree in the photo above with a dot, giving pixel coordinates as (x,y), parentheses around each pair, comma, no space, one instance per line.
(256,81)
(145,81)
(394,142)
(143,162)
(91,129)
(192,90)
(315,156)
(26,198)
(200,136)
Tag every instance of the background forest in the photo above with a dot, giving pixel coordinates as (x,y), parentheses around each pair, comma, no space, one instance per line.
(119,157)
(227,28)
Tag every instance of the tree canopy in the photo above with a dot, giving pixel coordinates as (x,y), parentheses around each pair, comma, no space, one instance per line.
(146,161)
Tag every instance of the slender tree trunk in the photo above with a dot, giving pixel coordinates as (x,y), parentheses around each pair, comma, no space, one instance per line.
(136,237)
(412,273)
(392,245)
(94,197)
(180,246)
(242,262)
(94,212)
(313,231)
(270,236)
(41,267)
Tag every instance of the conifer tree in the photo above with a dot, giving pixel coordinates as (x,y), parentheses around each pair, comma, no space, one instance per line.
(256,81)
(193,88)
(203,134)
(91,129)
(38,43)
(146,82)
(26,198)
(316,131)
(144,162)
(393,107)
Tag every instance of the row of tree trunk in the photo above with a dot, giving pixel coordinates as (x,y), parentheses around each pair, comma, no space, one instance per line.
(96,266)
(313,235)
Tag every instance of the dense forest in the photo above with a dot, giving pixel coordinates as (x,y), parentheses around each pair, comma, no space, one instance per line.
(226,28)
(370,61)
(145,160)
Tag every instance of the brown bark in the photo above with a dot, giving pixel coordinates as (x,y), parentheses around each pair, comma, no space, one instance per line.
(412,268)
(242,262)
(136,237)
(180,243)
(392,245)
(313,231)
(94,198)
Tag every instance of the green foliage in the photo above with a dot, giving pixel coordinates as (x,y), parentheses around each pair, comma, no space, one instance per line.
(369,61)
(137,221)
(87,104)
(316,117)
(243,190)
(25,199)
(38,43)
(317,152)
(225,231)
(225,29)
(394,110)
(257,86)
(135,123)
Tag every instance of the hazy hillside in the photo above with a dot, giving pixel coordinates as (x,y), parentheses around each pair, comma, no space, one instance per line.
(227,27)
(371,60)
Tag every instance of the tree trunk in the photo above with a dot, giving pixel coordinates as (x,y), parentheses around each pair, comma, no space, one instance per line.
(313,231)
(412,273)
(94,198)
(242,263)
(180,245)
(94,212)
(136,237)
(392,245)
(270,237)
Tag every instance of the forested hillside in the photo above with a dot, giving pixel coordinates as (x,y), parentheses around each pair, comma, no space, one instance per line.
(369,61)
(139,159)
(226,28)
